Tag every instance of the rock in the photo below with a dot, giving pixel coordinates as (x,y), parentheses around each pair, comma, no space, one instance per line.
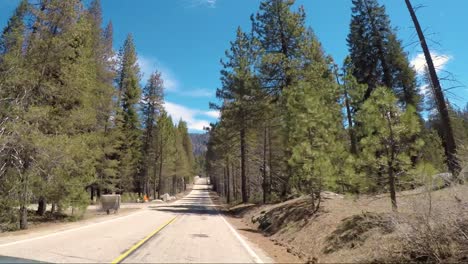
(165,197)
(110,202)
(331,195)
(442,180)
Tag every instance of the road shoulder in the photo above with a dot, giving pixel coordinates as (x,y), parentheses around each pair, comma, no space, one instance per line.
(275,251)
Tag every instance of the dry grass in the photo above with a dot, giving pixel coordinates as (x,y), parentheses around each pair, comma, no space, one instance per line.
(430,227)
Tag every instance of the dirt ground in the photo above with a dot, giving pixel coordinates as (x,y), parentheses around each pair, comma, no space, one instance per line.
(297,235)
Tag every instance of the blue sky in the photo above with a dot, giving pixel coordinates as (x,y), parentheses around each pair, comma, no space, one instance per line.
(185,39)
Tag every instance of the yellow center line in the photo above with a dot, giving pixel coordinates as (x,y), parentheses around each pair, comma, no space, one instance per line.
(139,244)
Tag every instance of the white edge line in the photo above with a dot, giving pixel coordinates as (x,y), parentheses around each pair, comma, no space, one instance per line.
(68,230)
(252,253)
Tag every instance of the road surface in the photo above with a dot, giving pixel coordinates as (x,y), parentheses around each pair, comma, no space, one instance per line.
(188,230)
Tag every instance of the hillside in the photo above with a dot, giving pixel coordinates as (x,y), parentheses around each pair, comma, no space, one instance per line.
(430,227)
(199,142)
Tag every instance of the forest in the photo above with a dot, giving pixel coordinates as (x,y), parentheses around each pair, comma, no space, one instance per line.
(295,122)
(75,120)
(78,121)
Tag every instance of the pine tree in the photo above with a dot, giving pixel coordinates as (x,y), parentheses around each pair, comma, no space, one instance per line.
(187,152)
(240,93)
(164,145)
(15,183)
(387,130)
(152,107)
(279,32)
(447,134)
(128,97)
(314,121)
(377,55)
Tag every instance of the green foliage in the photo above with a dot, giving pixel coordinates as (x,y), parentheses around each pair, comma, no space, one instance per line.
(377,54)
(314,122)
(386,150)
(127,120)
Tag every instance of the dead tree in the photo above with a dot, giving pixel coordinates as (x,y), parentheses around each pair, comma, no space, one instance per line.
(447,131)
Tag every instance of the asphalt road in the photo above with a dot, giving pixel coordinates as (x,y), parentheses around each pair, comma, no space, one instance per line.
(188,230)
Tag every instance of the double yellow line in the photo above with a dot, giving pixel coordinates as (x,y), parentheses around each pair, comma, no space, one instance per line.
(139,244)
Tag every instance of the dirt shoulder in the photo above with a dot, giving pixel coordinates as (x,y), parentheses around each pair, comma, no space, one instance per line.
(278,252)
(429,227)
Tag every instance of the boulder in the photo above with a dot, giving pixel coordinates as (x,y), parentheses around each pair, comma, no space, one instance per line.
(442,180)
(165,197)
(110,202)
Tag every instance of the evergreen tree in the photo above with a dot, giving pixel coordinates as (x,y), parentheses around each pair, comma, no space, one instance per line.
(314,121)
(164,145)
(387,130)
(279,33)
(240,93)
(152,107)
(129,92)
(106,138)
(187,151)
(377,55)
(15,148)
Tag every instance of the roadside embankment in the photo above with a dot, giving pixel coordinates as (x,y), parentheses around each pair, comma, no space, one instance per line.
(429,227)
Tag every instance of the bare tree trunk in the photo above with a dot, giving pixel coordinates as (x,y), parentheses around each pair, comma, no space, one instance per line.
(91,193)
(391,181)
(23,217)
(234,183)
(270,163)
(228,187)
(160,171)
(352,134)
(245,197)
(264,166)
(41,206)
(447,131)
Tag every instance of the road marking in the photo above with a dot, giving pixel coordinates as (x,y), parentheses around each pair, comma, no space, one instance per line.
(70,230)
(139,244)
(252,253)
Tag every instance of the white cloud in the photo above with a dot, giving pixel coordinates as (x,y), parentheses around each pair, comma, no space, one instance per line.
(150,65)
(214,114)
(193,117)
(197,93)
(419,64)
(202,3)
(440,61)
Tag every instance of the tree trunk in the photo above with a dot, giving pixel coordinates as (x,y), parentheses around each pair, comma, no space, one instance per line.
(245,197)
(160,171)
(42,205)
(234,183)
(23,217)
(352,135)
(447,131)
(391,182)
(92,193)
(228,193)
(264,166)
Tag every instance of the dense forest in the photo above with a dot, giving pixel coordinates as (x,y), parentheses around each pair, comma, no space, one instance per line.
(75,122)
(294,121)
